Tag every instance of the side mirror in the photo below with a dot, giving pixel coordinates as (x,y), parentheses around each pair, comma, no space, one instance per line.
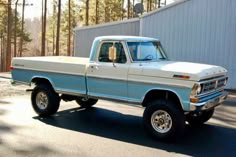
(112,53)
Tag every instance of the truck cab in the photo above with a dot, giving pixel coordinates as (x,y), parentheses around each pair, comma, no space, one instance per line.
(118,73)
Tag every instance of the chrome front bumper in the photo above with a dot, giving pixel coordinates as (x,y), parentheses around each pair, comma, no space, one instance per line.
(208,104)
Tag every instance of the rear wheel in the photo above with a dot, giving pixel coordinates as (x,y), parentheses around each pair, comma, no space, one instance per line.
(44,100)
(163,120)
(86,102)
(198,119)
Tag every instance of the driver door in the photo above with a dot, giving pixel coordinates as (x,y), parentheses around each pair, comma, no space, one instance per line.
(105,78)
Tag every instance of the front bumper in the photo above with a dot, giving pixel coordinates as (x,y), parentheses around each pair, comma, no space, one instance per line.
(209,104)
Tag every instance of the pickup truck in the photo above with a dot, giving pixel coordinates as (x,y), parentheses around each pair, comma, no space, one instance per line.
(127,69)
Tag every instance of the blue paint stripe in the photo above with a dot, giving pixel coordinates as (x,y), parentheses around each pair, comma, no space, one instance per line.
(212,96)
(62,82)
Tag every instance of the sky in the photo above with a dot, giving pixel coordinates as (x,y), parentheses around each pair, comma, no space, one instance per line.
(35,10)
(32,11)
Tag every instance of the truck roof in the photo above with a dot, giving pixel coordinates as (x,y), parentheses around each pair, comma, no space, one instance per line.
(126,38)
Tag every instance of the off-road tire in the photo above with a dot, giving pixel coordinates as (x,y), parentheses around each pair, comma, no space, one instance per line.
(177,127)
(51,99)
(200,118)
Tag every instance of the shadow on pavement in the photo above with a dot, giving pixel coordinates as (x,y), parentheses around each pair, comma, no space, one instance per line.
(208,140)
(229,103)
(21,147)
(227,112)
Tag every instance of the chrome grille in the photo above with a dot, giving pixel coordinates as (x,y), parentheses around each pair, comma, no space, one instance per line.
(212,85)
(221,83)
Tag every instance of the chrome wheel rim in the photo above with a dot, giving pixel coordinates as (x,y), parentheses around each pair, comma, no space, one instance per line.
(42,100)
(161,121)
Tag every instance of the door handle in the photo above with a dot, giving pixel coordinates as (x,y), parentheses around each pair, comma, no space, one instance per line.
(94,67)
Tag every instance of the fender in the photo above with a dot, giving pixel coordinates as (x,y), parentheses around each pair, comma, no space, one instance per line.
(33,80)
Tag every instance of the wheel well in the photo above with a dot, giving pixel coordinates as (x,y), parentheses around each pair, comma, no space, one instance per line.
(161,94)
(38,81)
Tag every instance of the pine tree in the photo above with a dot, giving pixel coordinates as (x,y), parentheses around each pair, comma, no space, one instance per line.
(58,27)
(44,30)
(5,27)
(9,22)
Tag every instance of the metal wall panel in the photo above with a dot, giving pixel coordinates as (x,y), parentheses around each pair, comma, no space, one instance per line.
(84,36)
(197,31)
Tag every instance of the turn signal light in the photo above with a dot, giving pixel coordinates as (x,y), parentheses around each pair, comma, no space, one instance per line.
(194,100)
(182,76)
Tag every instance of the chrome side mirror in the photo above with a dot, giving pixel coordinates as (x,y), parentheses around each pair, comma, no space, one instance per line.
(112,53)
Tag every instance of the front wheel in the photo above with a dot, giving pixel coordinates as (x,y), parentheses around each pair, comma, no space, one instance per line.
(44,100)
(163,120)
(198,119)
(86,102)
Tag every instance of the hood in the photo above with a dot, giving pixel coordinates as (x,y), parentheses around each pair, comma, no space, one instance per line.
(167,69)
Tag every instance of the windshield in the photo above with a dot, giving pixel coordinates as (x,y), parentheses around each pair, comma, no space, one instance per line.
(146,51)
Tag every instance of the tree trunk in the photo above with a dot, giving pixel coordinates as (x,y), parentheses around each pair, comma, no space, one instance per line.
(150,5)
(58,27)
(73,45)
(143,6)
(2,58)
(44,29)
(96,12)
(4,53)
(8,56)
(159,3)
(42,26)
(87,13)
(53,42)
(128,9)
(15,30)
(133,9)
(22,28)
(69,30)
(122,10)
(53,33)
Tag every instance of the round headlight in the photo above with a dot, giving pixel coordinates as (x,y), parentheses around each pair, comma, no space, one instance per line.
(199,88)
(226,80)
(196,89)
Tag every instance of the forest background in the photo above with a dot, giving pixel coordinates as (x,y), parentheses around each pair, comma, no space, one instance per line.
(45,27)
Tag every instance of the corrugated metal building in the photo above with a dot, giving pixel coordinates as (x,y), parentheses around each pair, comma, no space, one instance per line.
(84,36)
(191,30)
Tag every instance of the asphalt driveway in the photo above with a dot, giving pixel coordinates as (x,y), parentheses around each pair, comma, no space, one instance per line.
(108,129)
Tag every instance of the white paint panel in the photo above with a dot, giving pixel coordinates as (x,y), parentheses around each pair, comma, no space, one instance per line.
(55,64)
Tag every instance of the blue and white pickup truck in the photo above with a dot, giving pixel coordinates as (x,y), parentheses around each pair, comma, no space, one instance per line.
(127,69)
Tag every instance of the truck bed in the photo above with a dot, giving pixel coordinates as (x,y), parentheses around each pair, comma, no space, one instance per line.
(58,64)
(67,74)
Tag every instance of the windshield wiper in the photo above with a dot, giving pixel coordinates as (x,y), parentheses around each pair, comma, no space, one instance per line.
(162,58)
(147,59)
